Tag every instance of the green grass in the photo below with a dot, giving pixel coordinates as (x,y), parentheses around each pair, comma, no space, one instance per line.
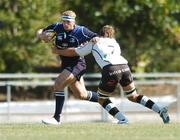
(90,131)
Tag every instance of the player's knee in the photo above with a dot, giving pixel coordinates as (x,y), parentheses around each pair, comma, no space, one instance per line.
(58,86)
(131,94)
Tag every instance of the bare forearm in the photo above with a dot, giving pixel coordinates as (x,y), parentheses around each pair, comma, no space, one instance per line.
(65,52)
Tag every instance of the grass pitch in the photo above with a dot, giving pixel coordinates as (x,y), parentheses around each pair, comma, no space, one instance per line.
(91,131)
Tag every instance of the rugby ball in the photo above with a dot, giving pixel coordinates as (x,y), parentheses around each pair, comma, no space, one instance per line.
(50,33)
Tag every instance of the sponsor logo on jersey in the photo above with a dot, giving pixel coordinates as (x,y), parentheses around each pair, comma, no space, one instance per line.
(65,44)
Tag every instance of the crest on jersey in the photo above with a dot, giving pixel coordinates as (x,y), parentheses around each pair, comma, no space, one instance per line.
(72,40)
(59,37)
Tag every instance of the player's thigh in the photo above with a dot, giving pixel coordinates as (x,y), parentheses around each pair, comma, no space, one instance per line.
(78,89)
(64,79)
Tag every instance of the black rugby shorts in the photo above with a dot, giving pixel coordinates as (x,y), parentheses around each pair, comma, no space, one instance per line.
(114,74)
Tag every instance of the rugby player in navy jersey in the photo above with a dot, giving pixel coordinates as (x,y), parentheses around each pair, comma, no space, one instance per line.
(115,69)
(68,34)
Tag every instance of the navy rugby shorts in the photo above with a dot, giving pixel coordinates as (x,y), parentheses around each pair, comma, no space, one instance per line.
(77,68)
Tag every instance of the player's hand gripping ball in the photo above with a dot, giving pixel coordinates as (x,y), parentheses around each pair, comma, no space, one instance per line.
(46,36)
(50,34)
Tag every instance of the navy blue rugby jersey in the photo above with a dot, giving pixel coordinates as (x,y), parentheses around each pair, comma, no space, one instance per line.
(74,38)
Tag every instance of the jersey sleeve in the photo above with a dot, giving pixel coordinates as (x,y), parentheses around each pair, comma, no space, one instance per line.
(84,50)
(51,27)
(89,34)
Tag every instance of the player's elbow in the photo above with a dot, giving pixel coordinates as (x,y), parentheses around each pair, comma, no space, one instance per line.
(72,53)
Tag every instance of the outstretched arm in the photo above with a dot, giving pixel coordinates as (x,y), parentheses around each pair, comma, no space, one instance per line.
(64,52)
(70,52)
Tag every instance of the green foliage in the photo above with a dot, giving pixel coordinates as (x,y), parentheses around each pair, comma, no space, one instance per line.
(20,50)
(147,30)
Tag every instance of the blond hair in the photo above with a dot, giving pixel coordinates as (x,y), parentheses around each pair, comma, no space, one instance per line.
(107,31)
(69,13)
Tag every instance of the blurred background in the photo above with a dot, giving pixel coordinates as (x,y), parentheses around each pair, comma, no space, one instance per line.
(149,35)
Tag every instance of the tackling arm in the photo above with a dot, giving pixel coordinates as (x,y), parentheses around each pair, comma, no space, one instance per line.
(70,52)
(79,51)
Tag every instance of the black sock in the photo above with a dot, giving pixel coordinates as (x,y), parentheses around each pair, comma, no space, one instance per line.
(113,110)
(59,104)
(92,96)
(145,101)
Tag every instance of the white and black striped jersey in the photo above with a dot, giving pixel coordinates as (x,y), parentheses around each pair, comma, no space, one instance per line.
(106,51)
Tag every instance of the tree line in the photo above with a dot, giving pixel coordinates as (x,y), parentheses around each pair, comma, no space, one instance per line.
(148,32)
